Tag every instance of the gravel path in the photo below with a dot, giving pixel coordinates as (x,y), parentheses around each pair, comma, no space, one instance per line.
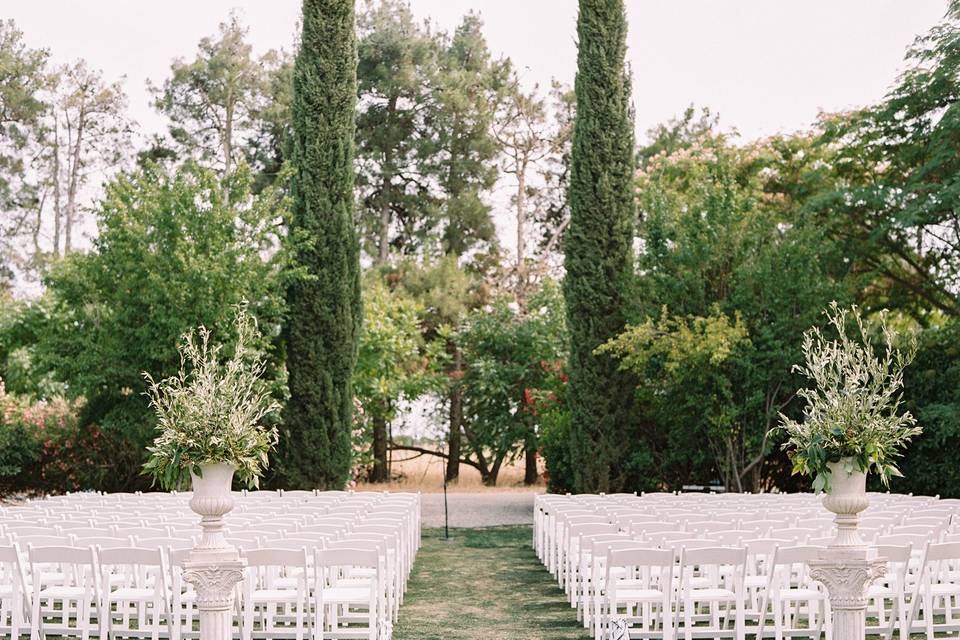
(470,510)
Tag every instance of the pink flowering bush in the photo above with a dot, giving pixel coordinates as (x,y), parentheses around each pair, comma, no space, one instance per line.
(42,447)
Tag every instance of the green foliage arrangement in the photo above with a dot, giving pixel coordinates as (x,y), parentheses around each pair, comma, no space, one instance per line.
(212,411)
(853,407)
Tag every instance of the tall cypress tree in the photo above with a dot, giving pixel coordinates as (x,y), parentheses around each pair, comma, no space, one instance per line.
(324,302)
(598,247)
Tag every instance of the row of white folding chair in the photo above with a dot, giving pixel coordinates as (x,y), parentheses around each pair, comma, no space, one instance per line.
(398,562)
(702,592)
(82,592)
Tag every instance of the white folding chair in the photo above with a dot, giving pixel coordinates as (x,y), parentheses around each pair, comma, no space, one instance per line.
(275,595)
(789,588)
(638,591)
(64,603)
(134,592)
(340,598)
(937,590)
(14,600)
(711,592)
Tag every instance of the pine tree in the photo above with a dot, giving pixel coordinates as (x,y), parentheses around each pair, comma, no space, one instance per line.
(324,302)
(598,247)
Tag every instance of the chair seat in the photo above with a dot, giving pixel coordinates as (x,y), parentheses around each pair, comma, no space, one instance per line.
(63,592)
(345,595)
(275,595)
(130,593)
(800,594)
(638,595)
(945,589)
(698,595)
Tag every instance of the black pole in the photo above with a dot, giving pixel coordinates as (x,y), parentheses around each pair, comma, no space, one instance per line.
(446,513)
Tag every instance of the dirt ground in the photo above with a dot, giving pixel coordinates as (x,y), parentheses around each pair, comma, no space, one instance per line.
(425,474)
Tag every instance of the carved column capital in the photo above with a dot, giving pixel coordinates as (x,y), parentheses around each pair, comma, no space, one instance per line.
(847,580)
(214,583)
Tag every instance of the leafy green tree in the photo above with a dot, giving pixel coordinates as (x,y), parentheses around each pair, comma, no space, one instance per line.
(468,86)
(172,253)
(324,302)
(394,363)
(598,248)
(931,392)
(899,201)
(397,65)
(23,78)
(509,355)
(222,104)
(726,231)
(688,370)
(447,292)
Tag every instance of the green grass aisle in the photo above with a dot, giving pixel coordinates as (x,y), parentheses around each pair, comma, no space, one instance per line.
(483,584)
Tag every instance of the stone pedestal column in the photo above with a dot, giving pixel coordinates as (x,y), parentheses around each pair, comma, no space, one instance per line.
(215,567)
(847,567)
(846,573)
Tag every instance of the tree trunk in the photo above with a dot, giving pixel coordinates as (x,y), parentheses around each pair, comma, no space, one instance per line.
(379,473)
(456,419)
(57,210)
(530,475)
(386,182)
(73,185)
(490,478)
(521,235)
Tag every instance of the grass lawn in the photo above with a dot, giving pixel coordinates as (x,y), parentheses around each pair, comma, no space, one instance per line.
(483,584)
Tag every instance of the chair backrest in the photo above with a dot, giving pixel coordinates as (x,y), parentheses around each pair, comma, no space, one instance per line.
(44,541)
(318,528)
(276,557)
(102,542)
(640,557)
(932,532)
(347,557)
(895,553)
(764,546)
(590,528)
(691,543)
(794,533)
(715,556)
(647,528)
(161,543)
(316,541)
(943,551)
(131,556)
(660,539)
(795,554)
(916,540)
(61,554)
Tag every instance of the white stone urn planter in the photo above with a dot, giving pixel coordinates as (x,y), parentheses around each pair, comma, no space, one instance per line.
(215,567)
(212,499)
(846,499)
(847,567)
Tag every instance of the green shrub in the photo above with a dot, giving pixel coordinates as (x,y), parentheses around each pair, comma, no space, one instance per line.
(43,449)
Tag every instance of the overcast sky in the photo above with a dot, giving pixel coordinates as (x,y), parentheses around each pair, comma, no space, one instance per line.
(764,65)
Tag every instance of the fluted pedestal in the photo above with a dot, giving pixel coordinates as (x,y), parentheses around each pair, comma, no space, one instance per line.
(215,584)
(847,567)
(215,567)
(846,573)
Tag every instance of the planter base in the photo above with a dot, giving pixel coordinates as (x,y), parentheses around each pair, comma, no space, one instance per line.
(215,580)
(846,572)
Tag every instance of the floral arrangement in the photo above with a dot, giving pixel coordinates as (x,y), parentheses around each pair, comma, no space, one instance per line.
(852,408)
(212,411)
